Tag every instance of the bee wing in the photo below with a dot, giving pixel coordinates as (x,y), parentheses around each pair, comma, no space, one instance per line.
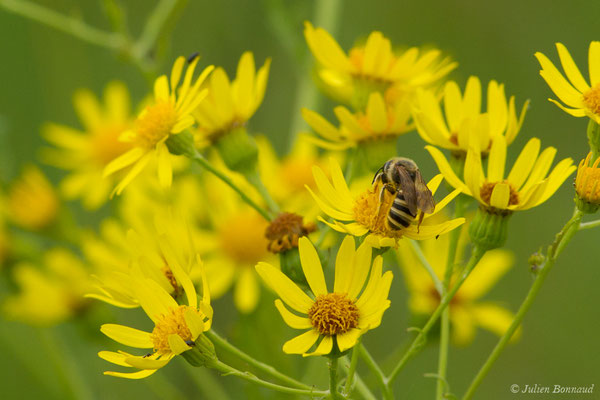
(425,200)
(408,189)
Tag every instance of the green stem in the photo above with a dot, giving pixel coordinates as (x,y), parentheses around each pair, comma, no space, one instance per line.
(65,366)
(445,319)
(439,286)
(326,15)
(351,371)
(229,370)
(360,385)
(199,158)
(589,225)
(419,341)
(225,345)
(154,26)
(333,378)
(254,179)
(562,238)
(374,367)
(73,27)
(593,134)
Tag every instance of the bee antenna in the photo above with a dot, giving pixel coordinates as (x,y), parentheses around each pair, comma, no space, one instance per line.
(377,174)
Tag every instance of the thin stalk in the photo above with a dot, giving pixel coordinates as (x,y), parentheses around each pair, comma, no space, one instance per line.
(360,386)
(65,366)
(154,26)
(229,370)
(351,371)
(554,250)
(439,286)
(255,180)
(199,158)
(69,25)
(266,368)
(589,225)
(445,319)
(333,378)
(374,367)
(418,342)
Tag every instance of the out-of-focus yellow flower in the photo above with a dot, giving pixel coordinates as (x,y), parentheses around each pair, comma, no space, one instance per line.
(587,183)
(528,184)
(32,201)
(353,307)
(581,99)
(176,327)
(152,250)
(466,311)
(170,114)
(87,152)
(231,104)
(462,116)
(380,122)
(365,214)
(234,242)
(50,294)
(350,77)
(286,178)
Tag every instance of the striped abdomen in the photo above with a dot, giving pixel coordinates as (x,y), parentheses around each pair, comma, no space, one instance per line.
(399,216)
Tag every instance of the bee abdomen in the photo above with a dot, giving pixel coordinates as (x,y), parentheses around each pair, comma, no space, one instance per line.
(399,216)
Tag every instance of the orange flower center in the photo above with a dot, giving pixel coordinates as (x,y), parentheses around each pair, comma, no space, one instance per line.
(591,99)
(155,124)
(285,230)
(369,213)
(333,313)
(172,323)
(243,240)
(488,187)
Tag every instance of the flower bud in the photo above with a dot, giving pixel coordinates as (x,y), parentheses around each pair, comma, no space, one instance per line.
(238,150)
(587,185)
(202,353)
(593,134)
(181,144)
(489,229)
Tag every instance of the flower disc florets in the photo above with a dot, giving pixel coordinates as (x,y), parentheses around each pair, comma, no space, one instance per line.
(169,324)
(333,313)
(285,230)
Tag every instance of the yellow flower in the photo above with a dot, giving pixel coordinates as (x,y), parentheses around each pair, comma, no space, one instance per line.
(50,294)
(87,152)
(231,104)
(176,327)
(379,122)
(453,129)
(466,311)
(32,201)
(372,66)
(286,178)
(528,184)
(581,98)
(170,114)
(153,250)
(340,316)
(365,215)
(587,182)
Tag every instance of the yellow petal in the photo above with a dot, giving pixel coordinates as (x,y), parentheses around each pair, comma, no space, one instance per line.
(320,125)
(177,344)
(522,167)
(571,69)
(311,266)
(348,339)
(343,266)
(194,322)
(128,336)
(494,318)
(377,112)
(361,267)
(131,375)
(473,172)
(493,265)
(147,362)
(246,292)
(244,83)
(463,326)
(594,63)
(559,85)
(500,196)
(472,97)
(123,161)
(291,319)
(323,348)
(165,170)
(161,88)
(291,294)
(176,72)
(154,299)
(445,168)
(88,109)
(300,344)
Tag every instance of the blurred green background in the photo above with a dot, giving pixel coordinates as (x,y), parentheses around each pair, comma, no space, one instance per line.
(41,68)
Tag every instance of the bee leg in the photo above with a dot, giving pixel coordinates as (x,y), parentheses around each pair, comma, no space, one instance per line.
(381,197)
(421,216)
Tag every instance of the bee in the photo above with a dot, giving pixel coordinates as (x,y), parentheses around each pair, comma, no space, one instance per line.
(401,177)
